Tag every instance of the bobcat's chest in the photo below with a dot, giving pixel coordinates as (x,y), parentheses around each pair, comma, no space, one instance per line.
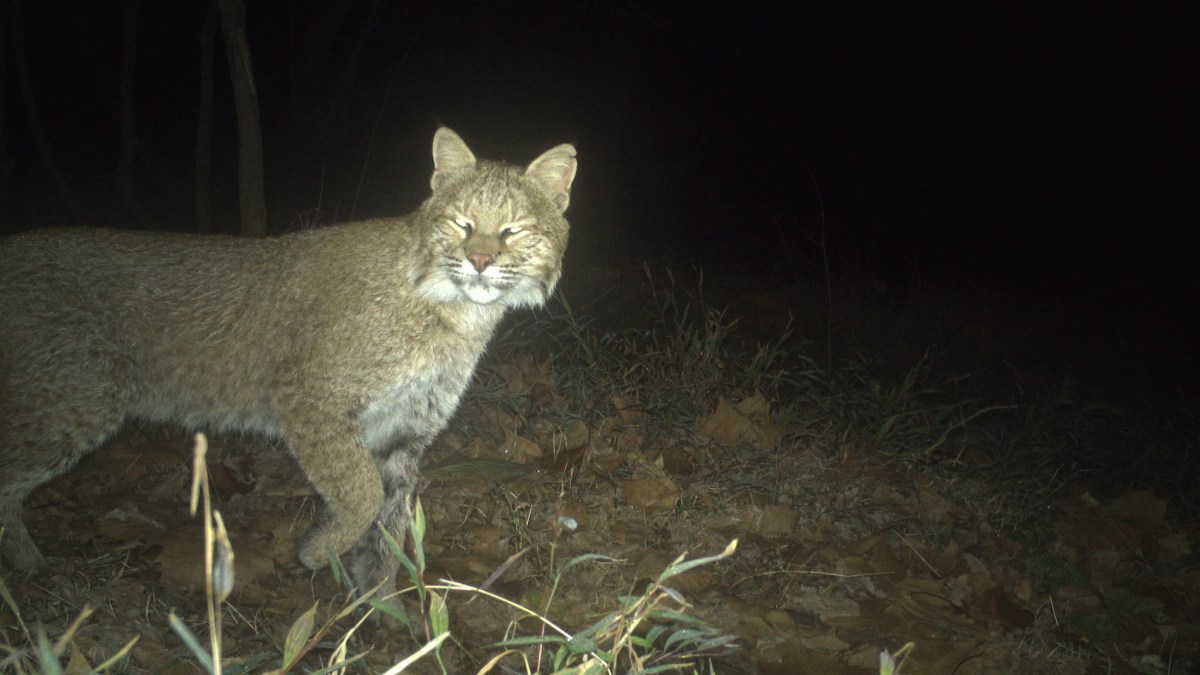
(416,407)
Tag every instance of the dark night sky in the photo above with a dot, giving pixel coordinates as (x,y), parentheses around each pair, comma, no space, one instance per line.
(1021,144)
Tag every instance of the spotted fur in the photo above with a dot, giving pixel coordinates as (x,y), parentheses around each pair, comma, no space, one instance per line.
(352,343)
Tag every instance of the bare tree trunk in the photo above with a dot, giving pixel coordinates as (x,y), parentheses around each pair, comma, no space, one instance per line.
(126,180)
(251,198)
(6,160)
(208,41)
(37,131)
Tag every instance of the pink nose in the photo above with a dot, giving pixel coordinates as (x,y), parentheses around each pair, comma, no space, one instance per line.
(480,260)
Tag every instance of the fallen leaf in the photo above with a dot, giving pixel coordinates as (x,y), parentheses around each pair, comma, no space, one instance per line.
(678,461)
(78,663)
(650,492)
(1141,507)
(749,420)
(777,519)
(628,409)
(519,449)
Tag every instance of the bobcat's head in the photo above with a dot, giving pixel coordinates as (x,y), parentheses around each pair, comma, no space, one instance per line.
(492,232)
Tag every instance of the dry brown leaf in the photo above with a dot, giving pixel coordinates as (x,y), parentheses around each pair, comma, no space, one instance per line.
(628,408)
(960,657)
(519,449)
(930,617)
(934,509)
(607,463)
(999,609)
(693,582)
(660,492)
(755,408)
(863,545)
(777,519)
(780,621)
(751,629)
(574,434)
(1103,532)
(725,424)
(888,560)
(945,561)
(1078,598)
(150,654)
(1103,566)
(626,440)
(1141,507)
(1128,523)
(78,663)
(749,420)
(534,378)
(488,542)
(826,642)
(678,461)
(500,418)
(129,524)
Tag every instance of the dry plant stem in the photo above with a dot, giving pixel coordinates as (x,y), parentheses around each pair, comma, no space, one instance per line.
(903,653)
(430,646)
(504,567)
(449,585)
(936,573)
(212,604)
(12,603)
(815,573)
(555,530)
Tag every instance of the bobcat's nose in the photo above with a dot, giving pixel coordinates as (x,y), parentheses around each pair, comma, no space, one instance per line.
(480,260)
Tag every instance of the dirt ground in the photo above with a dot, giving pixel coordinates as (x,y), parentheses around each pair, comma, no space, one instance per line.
(872,510)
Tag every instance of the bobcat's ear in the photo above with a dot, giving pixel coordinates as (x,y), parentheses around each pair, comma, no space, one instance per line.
(553,172)
(450,156)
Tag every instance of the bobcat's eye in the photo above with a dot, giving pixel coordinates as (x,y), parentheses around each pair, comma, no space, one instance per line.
(464,225)
(510,231)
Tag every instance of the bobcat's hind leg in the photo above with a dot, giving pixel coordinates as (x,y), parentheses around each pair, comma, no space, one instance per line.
(17,548)
(35,447)
(60,398)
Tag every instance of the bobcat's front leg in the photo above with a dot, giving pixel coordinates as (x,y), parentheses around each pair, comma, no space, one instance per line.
(339,466)
(372,560)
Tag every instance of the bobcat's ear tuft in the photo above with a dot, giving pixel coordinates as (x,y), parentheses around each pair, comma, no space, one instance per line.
(450,156)
(554,172)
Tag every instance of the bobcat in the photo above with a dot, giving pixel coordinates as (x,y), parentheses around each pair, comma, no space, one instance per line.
(352,343)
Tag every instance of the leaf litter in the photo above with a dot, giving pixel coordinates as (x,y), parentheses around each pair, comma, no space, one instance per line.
(871,513)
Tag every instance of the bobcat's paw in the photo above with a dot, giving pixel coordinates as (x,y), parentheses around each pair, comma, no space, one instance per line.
(318,545)
(328,537)
(370,568)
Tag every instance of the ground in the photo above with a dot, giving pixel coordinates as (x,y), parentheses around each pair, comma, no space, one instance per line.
(969,500)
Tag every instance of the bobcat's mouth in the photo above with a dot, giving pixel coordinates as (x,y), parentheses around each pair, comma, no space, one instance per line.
(511,288)
(482,285)
(455,285)
(480,290)
(508,286)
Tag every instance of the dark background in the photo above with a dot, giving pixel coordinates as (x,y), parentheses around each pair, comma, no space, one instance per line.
(1047,151)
